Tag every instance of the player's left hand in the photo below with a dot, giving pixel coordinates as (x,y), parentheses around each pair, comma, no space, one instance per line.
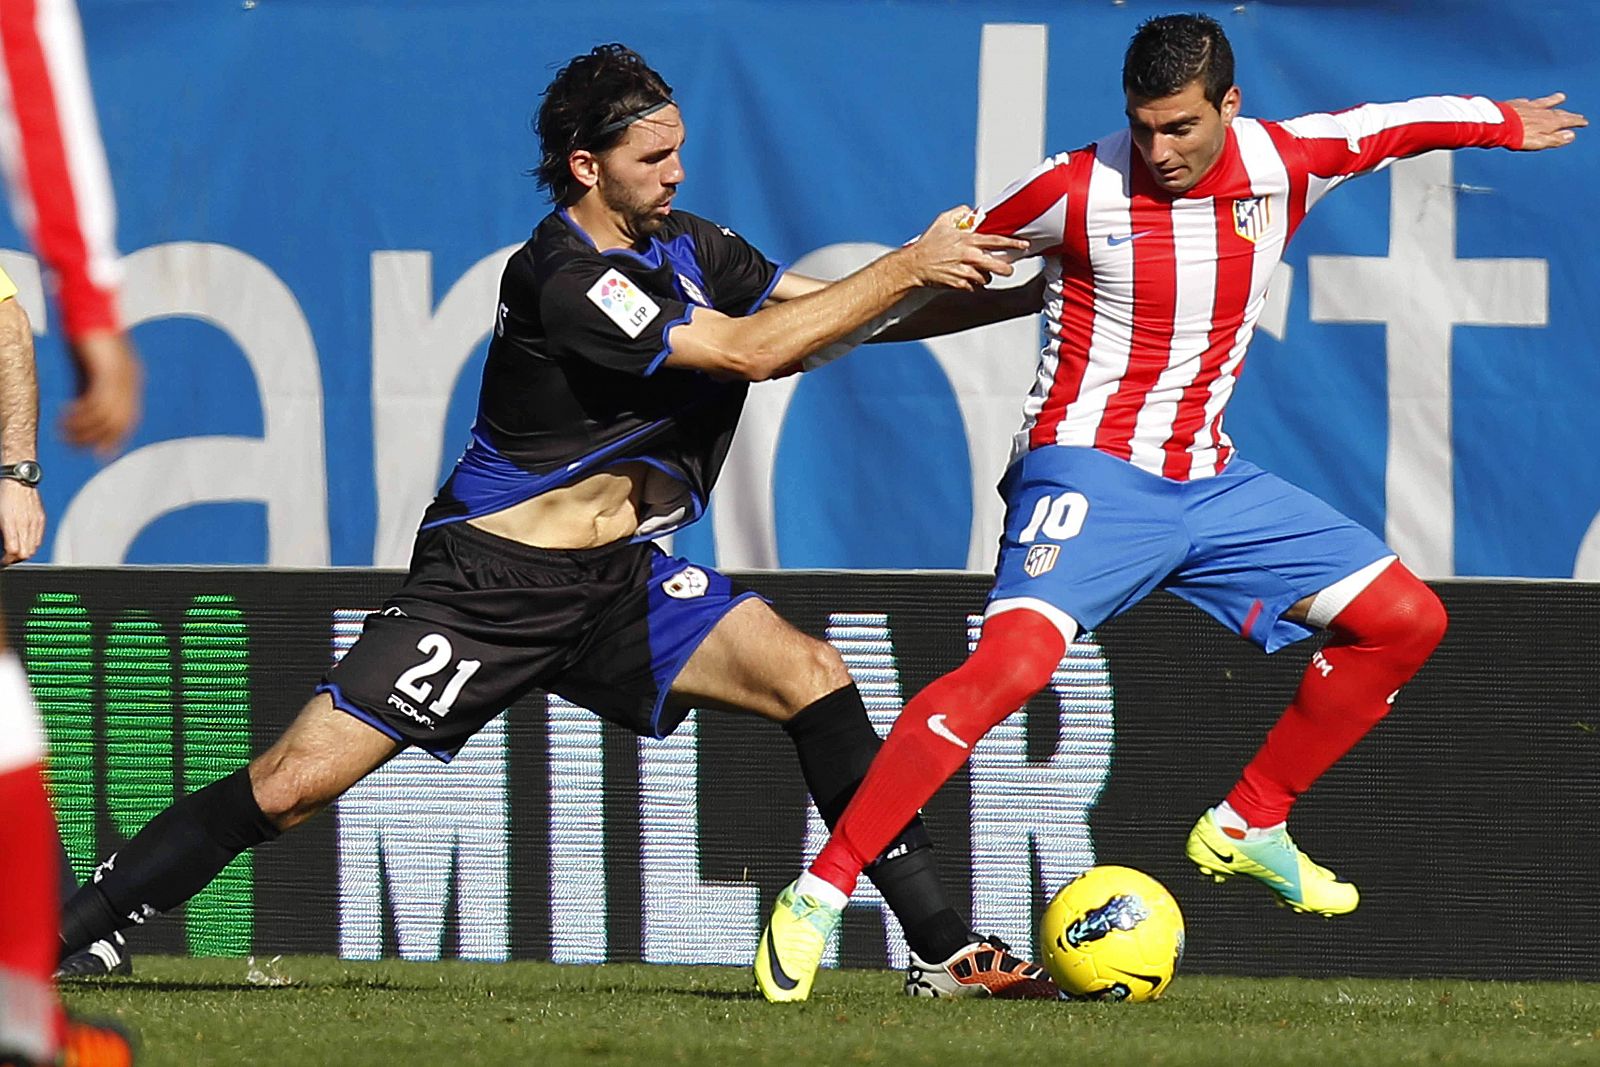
(1544,124)
(21,521)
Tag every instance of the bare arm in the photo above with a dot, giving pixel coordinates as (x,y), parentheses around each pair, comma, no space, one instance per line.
(953,312)
(805,319)
(21,514)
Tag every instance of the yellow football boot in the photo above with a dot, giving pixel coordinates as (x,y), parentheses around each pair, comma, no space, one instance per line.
(792,945)
(1273,859)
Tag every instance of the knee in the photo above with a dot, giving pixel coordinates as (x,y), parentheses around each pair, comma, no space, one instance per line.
(1409,617)
(812,671)
(280,785)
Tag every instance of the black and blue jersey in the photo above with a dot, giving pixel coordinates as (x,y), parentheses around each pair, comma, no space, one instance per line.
(575,382)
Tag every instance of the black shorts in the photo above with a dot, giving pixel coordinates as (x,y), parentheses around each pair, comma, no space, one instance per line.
(481,620)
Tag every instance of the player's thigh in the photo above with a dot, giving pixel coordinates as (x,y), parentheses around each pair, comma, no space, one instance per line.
(317,759)
(1264,546)
(753,660)
(1086,535)
(682,636)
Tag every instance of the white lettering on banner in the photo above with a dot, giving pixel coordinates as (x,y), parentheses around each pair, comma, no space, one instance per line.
(1420,291)
(677,901)
(867,647)
(283,468)
(417,355)
(989,369)
(410,828)
(577,834)
(1025,810)
(1587,566)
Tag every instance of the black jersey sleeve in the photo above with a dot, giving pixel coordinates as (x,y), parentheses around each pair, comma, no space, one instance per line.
(593,311)
(739,276)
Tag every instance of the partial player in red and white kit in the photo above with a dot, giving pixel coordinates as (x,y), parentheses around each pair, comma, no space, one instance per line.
(60,189)
(55,171)
(1158,244)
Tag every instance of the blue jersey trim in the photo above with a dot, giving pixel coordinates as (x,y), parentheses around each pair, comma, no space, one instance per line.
(343,703)
(579,230)
(487,481)
(666,332)
(783,268)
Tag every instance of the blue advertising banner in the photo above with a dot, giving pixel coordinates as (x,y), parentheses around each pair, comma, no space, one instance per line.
(316,198)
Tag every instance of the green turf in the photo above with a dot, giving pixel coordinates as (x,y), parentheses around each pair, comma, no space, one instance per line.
(455,1015)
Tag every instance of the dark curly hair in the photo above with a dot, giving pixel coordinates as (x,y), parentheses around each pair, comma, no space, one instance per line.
(1170,51)
(589,105)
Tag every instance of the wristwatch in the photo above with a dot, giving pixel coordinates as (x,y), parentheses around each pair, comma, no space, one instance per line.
(27,472)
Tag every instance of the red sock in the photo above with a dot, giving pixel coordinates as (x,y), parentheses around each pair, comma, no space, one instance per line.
(29,894)
(1379,641)
(934,735)
(29,901)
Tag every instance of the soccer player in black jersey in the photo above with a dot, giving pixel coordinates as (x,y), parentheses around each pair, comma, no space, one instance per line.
(626,337)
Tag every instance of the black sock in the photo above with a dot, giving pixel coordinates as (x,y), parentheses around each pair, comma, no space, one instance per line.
(836,742)
(68,878)
(176,855)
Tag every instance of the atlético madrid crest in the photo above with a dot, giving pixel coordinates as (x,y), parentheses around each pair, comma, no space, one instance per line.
(1040,559)
(1251,217)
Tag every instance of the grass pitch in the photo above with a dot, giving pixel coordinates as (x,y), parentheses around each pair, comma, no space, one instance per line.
(392,1013)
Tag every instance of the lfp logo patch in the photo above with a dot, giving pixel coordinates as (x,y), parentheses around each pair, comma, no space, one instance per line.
(623,302)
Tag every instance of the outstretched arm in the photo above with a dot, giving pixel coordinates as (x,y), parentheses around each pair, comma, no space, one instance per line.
(802,319)
(1544,124)
(953,312)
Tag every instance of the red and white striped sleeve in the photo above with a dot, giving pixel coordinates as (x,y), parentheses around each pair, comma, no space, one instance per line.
(1033,208)
(1332,148)
(55,163)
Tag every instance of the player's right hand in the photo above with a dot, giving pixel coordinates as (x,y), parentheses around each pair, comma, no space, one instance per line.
(110,378)
(21,521)
(947,256)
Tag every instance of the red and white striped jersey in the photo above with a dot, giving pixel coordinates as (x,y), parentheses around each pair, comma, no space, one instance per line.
(1152,297)
(55,164)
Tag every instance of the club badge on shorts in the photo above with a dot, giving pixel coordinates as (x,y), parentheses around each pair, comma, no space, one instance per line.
(1040,559)
(686,584)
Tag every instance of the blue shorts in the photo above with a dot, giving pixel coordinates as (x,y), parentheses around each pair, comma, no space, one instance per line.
(1090,535)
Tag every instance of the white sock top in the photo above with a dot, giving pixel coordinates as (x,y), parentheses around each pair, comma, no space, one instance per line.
(822,891)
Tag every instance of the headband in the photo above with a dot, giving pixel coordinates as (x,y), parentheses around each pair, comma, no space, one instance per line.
(632,117)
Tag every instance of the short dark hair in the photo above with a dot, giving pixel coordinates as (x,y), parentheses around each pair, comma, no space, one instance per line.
(590,104)
(1170,51)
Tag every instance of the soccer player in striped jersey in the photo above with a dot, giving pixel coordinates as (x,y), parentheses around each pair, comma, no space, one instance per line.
(1158,243)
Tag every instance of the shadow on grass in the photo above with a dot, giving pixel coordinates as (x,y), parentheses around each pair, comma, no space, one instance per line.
(143,985)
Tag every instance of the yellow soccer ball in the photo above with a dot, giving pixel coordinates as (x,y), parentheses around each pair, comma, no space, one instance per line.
(1112,933)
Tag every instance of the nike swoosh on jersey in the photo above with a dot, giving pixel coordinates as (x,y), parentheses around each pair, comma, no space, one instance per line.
(778,976)
(936,724)
(1112,240)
